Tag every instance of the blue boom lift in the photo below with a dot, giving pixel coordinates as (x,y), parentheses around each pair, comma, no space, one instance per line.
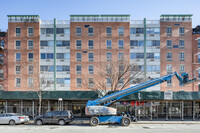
(102,114)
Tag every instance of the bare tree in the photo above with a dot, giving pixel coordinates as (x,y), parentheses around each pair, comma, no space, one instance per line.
(114,76)
(38,82)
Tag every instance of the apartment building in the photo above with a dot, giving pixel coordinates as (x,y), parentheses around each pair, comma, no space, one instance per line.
(176,49)
(145,49)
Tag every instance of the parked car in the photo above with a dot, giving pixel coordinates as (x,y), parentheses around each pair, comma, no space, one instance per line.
(55,117)
(23,118)
(9,119)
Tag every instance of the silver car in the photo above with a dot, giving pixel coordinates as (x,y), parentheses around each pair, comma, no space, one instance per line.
(23,118)
(9,119)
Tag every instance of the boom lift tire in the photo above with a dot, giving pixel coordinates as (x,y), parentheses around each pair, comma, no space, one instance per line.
(94,121)
(125,121)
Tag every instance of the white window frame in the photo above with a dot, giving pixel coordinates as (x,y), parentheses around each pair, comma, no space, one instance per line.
(30,34)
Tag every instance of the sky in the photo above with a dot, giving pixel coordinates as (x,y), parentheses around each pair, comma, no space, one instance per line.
(62,9)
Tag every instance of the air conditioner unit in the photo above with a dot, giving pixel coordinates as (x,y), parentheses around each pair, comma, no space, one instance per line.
(62,35)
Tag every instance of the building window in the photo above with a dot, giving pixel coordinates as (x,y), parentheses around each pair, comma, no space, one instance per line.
(139,55)
(90,31)
(18,69)
(108,31)
(59,30)
(181,43)
(18,31)
(78,57)
(91,69)
(156,43)
(121,31)
(132,55)
(108,44)
(30,44)
(2,43)
(49,30)
(63,44)
(30,31)
(169,83)
(120,56)
(91,82)
(78,44)
(108,56)
(181,56)
(78,31)
(121,44)
(121,69)
(90,44)
(18,82)
(198,43)
(78,82)
(156,55)
(62,56)
(90,57)
(169,56)
(121,82)
(169,43)
(30,69)
(181,31)
(78,69)
(182,68)
(139,30)
(169,30)
(198,58)
(108,69)
(30,82)
(30,57)
(132,30)
(199,73)
(108,82)
(1,59)
(18,44)
(150,55)
(47,56)
(1,74)
(18,57)
(199,86)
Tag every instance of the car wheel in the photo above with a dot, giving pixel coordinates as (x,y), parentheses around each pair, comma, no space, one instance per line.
(61,122)
(94,121)
(125,121)
(12,122)
(39,122)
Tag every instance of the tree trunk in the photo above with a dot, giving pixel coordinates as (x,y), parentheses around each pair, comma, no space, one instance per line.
(40,103)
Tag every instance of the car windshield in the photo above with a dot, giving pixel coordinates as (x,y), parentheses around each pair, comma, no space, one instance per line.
(16,114)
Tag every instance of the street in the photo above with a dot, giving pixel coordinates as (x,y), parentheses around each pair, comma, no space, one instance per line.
(86,128)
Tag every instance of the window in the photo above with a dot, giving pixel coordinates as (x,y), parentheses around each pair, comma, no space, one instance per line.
(63,44)
(181,56)
(59,30)
(30,69)
(30,44)
(108,82)
(181,31)
(44,68)
(169,56)
(62,56)
(169,30)
(50,68)
(139,55)
(169,68)
(91,82)
(108,31)
(43,56)
(49,30)
(43,43)
(121,69)
(181,43)
(156,43)
(91,69)
(78,57)
(156,30)
(120,56)
(18,69)
(108,56)
(121,44)
(63,69)
(108,44)
(199,86)
(18,44)
(18,57)
(121,31)
(150,55)
(30,31)
(30,82)
(132,30)
(156,55)
(50,56)
(198,58)
(121,81)
(90,57)
(133,55)
(169,82)
(134,43)
(169,43)
(78,44)
(139,30)
(67,31)
(108,70)
(199,73)
(18,31)
(1,59)
(78,69)
(2,43)
(30,57)
(149,43)
(182,68)
(78,82)
(198,43)
(18,82)
(90,44)
(78,31)
(42,31)
(90,31)
(1,74)
(150,30)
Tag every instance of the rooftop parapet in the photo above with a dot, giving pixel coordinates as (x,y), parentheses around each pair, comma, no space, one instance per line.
(176,17)
(23,18)
(100,18)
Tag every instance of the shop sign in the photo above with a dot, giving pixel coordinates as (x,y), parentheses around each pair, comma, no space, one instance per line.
(168,95)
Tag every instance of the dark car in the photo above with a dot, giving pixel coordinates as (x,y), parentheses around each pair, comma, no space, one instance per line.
(55,117)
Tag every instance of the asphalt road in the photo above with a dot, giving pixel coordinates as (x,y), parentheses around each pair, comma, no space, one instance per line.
(85,128)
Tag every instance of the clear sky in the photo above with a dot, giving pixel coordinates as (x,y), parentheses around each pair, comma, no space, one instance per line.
(61,9)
